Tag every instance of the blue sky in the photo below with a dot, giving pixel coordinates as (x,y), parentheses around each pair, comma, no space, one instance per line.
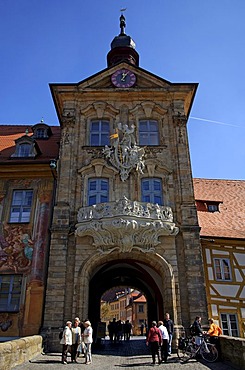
(52,41)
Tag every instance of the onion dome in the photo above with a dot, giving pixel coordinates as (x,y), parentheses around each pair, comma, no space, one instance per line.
(122,48)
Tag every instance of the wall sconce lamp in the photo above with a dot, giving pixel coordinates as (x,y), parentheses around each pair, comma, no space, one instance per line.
(53,164)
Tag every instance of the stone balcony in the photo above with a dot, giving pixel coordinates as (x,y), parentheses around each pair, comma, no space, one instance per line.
(125,225)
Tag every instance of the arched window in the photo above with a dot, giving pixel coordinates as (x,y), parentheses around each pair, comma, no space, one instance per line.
(99,133)
(24,150)
(98,191)
(148,132)
(151,191)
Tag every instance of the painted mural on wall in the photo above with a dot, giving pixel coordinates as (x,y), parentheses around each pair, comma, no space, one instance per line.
(5,321)
(16,249)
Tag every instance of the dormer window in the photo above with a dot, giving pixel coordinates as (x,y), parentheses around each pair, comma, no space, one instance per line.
(208,205)
(213,207)
(26,147)
(41,131)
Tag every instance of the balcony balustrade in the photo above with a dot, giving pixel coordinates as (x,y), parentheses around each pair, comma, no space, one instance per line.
(125,224)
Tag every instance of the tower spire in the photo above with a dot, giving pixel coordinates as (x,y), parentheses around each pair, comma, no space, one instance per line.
(122,47)
(122,24)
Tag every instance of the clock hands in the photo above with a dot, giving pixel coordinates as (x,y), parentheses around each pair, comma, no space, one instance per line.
(124,75)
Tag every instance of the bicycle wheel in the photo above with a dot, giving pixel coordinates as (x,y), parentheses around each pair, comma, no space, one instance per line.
(185,354)
(212,355)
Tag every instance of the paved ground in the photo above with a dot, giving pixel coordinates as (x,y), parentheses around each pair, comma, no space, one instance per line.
(133,354)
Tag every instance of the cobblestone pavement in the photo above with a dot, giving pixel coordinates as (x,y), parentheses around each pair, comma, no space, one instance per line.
(133,354)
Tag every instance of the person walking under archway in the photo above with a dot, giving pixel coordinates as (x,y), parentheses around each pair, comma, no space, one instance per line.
(154,338)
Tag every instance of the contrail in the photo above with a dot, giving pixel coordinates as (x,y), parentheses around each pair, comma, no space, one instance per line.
(209,120)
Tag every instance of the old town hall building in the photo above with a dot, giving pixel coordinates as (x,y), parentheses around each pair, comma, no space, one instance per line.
(107,199)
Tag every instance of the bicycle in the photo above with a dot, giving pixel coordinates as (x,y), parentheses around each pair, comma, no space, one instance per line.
(187,349)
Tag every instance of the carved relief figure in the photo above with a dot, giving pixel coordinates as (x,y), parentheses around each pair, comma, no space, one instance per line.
(124,153)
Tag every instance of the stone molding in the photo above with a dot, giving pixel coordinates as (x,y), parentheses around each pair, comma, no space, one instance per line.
(125,225)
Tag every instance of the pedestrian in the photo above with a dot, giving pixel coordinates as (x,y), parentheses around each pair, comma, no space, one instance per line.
(142,327)
(76,339)
(66,341)
(170,328)
(127,330)
(197,330)
(154,338)
(165,340)
(88,340)
(214,332)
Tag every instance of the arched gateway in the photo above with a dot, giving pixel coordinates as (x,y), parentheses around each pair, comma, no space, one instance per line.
(125,210)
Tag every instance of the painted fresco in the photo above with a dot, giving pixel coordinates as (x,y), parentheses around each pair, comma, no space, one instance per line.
(16,250)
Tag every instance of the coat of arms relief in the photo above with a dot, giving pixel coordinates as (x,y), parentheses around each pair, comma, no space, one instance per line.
(124,154)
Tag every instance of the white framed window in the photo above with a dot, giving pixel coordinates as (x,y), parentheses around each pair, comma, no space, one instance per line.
(148,132)
(229,324)
(10,292)
(20,210)
(98,191)
(222,269)
(151,191)
(99,133)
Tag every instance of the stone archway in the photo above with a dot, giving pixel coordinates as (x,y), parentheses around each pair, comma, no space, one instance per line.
(130,274)
(148,272)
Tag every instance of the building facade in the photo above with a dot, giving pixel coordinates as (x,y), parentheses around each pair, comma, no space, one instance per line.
(220,206)
(125,211)
(27,186)
(107,200)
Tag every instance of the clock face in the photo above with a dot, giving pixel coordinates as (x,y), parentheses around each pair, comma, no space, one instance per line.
(123,78)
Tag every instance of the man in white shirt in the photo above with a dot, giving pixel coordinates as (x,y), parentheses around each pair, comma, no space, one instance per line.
(165,340)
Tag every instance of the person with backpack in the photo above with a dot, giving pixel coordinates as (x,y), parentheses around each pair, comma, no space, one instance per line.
(66,341)
(154,338)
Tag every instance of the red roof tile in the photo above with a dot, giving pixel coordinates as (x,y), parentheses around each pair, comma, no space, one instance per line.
(229,222)
(49,148)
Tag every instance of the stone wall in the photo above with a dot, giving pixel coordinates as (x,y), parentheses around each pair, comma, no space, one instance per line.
(233,351)
(18,351)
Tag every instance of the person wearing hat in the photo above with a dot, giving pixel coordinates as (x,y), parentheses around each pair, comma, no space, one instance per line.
(154,338)
(88,340)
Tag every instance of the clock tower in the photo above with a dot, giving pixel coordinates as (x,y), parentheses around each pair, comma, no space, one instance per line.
(124,213)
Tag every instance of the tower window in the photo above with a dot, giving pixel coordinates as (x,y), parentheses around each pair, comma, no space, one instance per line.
(21,206)
(151,191)
(148,133)
(99,133)
(98,191)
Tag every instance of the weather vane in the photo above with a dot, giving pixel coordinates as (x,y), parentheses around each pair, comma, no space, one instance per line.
(123,10)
